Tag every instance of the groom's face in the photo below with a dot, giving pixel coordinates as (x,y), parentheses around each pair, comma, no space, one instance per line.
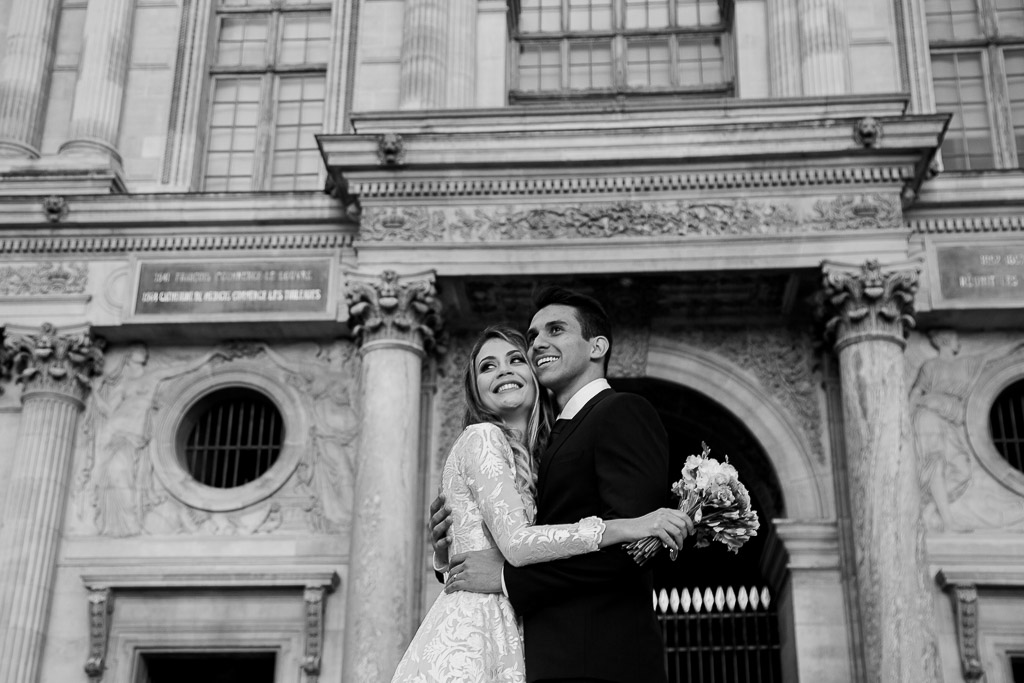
(558,352)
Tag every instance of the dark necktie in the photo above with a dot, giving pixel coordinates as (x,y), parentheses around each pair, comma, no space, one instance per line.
(556,429)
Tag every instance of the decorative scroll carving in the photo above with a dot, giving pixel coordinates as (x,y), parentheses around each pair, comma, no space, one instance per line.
(627,219)
(55,208)
(49,361)
(101,605)
(965,614)
(866,302)
(314,645)
(390,150)
(43,278)
(867,132)
(781,359)
(394,307)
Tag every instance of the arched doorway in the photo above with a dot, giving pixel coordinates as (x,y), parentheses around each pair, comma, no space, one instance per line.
(717,609)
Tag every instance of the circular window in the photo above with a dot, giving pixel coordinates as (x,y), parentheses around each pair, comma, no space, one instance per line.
(1006,420)
(230,437)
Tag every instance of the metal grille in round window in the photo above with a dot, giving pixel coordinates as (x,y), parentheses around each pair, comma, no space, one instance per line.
(1007,422)
(231,437)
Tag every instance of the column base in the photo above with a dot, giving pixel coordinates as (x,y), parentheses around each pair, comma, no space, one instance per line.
(70,174)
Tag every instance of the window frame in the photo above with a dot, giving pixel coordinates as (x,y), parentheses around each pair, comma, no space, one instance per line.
(618,36)
(991,46)
(270,75)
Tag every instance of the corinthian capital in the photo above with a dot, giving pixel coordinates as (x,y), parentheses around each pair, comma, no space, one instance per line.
(868,302)
(390,307)
(49,361)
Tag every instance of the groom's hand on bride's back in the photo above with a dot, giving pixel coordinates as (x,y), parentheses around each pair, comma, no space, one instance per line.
(440,528)
(478,571)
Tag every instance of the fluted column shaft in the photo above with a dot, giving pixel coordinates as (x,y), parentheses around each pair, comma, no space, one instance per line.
(784,48)
(394,319)
(870,309)
(461,53)
(54,370)
(424,55)
(824,47)
(25,65)
(102,71)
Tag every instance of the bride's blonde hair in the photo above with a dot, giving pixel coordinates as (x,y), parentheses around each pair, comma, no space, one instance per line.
(525,447)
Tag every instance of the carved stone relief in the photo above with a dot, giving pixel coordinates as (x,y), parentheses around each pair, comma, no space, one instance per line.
(35,279)
(451,398)
(116,490)
(957,493)
(782,360)
(628,219)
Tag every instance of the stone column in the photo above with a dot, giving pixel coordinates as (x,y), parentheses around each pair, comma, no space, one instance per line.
(784,48)
(102,71)
(54,370)
(422,83)
(868,312)
(26,61)
(824,47)
(394,319)
(461,53)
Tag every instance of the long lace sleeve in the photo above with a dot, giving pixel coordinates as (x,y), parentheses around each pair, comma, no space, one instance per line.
(485,459)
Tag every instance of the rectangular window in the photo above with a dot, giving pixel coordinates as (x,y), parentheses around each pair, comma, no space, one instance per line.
(266,96)
(977,53)
(1017,668)
(612,47)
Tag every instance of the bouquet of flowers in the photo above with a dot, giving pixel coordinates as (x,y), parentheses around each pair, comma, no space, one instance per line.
(709,492)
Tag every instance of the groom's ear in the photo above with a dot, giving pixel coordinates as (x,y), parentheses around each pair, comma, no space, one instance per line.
(598,347)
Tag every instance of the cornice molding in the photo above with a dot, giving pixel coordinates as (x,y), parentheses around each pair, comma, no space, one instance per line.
(574,184)
(106,244)
(964,224)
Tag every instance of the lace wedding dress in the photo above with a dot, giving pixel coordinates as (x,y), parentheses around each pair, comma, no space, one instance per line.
(474,637)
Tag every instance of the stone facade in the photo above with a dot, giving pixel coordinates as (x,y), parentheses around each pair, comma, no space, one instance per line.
(789,275)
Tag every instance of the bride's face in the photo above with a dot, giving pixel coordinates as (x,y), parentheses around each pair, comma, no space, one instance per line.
(504,380)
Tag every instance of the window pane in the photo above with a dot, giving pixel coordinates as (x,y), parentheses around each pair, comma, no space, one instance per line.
(1014,60)
(231,140)
(648,63)
(541,16)
(952,20)
(590,15)
(960,89)
(298,119)
(590,65)
(646,14)
(242,40)
(540,68)
(701,62)
(1010,17)
(305,38)
(697,13)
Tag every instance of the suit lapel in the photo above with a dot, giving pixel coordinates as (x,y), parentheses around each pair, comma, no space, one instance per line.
(551,452)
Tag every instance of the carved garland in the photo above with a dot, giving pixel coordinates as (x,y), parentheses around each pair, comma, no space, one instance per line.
(627,219)
(37,279)
(313,651)
(965,611)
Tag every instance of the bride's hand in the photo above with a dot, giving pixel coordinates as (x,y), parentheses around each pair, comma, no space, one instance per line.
(669,525)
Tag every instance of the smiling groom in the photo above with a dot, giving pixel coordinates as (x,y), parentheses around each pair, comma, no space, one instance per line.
(590,617)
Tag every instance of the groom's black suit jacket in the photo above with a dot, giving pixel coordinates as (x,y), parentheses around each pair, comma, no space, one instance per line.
(592,616)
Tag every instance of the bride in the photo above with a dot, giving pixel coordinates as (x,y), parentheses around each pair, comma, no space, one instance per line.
(490,481)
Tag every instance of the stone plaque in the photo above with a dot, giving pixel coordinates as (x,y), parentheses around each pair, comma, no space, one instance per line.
(981,272)
(220,287)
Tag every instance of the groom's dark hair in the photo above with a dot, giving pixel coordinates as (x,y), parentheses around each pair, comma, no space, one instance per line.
(592,317)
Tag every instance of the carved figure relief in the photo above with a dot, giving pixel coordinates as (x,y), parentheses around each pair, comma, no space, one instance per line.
(117,493)
(955,498)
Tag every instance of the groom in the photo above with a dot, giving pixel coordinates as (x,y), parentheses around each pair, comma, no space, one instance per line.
(590,617)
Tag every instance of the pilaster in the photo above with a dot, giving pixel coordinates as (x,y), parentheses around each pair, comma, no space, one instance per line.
(461,71)
(55,371)
(869,310)
(784,47)
(102,71)
(394,319)
(424,55)
(824,48)
(25,66)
